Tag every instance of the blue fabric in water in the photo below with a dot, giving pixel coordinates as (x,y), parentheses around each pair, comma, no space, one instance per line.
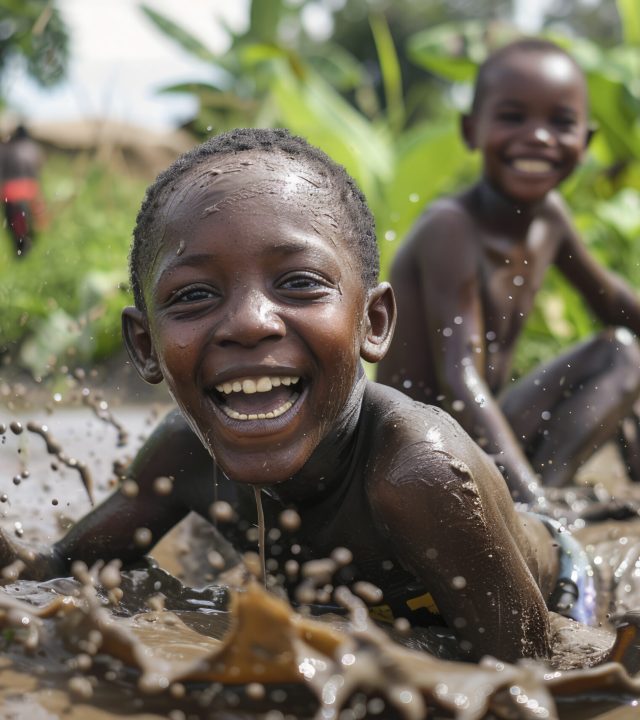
(575,576)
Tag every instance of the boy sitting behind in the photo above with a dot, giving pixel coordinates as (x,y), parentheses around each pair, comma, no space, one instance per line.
(467,275)
(254,268)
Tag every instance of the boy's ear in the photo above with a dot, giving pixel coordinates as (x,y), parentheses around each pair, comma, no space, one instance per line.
(591,131)
(380,322)
(467,130)
(137,340)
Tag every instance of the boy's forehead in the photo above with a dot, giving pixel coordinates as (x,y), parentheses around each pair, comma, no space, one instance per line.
(283,192)
(225,183)
(550,67)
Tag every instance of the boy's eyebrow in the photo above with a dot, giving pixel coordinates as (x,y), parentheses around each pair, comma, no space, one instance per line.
(510,102)
(518,104)
(285,247)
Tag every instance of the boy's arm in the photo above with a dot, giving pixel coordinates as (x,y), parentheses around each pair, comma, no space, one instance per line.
(128,523)
(612,300)
(447,261)
(452,524)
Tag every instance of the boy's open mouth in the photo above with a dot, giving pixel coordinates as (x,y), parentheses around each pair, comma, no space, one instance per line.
(533,166)
(257,398)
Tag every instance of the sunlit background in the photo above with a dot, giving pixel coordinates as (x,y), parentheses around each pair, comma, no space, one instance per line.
(113,91)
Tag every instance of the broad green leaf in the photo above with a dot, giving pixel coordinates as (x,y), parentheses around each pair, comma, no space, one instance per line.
(622,212)
(177,33)
(629,11)
(390,69)
(196,88)
(337,66)
(253,53)
(265,19)
(429,162)
(451,51)
(616,113)
(315,110)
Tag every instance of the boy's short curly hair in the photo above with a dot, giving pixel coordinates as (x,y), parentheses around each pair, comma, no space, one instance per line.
(501,55)
(360,230)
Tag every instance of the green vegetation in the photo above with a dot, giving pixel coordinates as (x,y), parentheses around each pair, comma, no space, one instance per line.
(380,98)
(62,302)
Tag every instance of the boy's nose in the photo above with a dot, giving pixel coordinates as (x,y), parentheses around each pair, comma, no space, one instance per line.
(253,317)
(540,135)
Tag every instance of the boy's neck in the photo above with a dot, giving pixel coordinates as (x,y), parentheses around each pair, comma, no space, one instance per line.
(502,212)
(329,464)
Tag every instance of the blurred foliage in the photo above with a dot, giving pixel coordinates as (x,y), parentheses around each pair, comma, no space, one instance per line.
(62,302)
(382,97)
(33,31)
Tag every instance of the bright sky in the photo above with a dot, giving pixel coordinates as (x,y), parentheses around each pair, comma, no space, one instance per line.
(119,59)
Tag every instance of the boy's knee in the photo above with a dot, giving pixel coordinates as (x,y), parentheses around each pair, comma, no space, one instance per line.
(624,347)
(624,355)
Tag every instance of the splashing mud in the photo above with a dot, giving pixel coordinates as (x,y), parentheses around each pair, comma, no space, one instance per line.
(109,643)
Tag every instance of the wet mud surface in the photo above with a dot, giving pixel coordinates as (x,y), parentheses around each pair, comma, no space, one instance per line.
(155,642)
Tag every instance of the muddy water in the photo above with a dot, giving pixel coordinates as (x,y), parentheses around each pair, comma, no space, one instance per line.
(144,644)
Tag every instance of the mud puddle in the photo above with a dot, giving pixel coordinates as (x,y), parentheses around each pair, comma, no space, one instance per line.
(142,644)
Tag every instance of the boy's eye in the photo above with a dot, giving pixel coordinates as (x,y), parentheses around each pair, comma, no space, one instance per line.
(301,282)
(564,122)
(191,295)
(510,116)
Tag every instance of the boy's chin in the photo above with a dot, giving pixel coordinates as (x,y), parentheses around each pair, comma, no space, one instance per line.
(259,472)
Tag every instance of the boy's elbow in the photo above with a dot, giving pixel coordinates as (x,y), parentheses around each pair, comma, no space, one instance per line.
(528,639)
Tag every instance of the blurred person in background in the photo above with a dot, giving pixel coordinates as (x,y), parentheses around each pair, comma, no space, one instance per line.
(21,160)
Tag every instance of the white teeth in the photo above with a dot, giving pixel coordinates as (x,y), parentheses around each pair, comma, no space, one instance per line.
(261,416)
(531,165)
(249,386)
(263,384)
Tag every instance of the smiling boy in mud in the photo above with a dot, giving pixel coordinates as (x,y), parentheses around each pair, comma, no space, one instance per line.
(467,275)
(254,268)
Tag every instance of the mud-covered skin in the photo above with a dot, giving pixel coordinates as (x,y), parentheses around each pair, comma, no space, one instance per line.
(427,501)
(468,273)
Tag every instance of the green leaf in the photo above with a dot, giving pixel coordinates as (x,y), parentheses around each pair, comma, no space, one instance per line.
(312,108)
(390,68)
(337,66)
(445,51)
(265,19)
(195,88)
(181,36)
(430,160)
(629,11)
(616,112)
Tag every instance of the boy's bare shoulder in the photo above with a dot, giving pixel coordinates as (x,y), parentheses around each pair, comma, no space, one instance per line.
(416,443)
(445,230)
(556,210)
(445,217)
